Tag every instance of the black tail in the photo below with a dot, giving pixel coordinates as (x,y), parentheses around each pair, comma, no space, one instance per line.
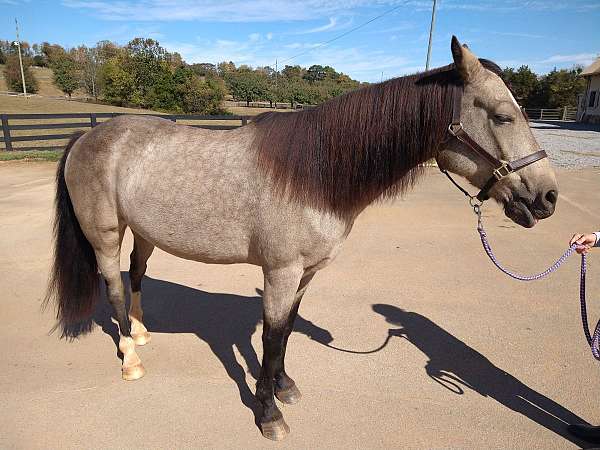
(74,281)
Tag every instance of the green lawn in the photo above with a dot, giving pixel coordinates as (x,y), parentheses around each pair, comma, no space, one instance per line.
(32,155)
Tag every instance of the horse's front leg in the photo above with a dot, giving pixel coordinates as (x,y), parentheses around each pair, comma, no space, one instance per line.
(279,302)
(285,388)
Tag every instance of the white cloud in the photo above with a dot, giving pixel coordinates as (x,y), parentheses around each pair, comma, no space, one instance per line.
(269,36)
(491,34)
(360,63)
(293,10)
(332,23)
(254,37)
(579,58)
(220,10)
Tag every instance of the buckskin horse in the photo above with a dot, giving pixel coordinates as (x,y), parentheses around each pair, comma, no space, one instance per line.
(281,192)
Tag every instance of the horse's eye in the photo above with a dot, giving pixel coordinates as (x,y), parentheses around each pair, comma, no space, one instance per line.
(503,118)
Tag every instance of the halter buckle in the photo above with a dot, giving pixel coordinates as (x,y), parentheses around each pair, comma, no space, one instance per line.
(454,128)
(502,171)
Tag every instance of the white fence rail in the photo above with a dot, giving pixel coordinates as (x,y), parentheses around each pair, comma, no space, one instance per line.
(565,113)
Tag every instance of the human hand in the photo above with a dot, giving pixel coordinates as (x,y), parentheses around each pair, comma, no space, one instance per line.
(584,242)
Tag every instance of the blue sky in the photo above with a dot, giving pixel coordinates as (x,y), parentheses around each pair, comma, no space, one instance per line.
(541,33)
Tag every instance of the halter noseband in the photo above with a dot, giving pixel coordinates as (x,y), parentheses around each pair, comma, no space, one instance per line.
(500,168)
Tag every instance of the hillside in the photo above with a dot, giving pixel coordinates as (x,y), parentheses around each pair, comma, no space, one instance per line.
(12,105)
(43,75)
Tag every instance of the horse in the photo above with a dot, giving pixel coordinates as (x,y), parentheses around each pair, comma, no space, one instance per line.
(281,192)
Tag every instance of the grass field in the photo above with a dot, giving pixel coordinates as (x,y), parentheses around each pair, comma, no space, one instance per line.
(39,104)
(43,75)
(31,155)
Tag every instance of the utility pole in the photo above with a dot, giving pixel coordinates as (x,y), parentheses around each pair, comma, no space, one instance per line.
(430,35)
(275,73)
(20,59)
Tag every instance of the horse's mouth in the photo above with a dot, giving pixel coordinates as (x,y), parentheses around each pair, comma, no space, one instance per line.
(519,211)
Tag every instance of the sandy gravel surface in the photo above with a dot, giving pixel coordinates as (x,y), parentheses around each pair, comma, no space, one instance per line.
(475,360)
(569,144)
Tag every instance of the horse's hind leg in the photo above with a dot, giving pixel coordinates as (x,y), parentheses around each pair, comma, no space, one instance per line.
(108,249)
(279,300)
(142,249)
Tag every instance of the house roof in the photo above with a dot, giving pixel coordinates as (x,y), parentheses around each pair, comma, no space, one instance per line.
(592,69)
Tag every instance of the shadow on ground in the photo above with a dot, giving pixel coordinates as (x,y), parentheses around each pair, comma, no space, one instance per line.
(225,321)
(456,366)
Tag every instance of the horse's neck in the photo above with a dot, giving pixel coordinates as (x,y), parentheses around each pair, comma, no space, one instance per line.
(388,160)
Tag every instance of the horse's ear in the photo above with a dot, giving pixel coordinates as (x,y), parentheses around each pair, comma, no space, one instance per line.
(465,61)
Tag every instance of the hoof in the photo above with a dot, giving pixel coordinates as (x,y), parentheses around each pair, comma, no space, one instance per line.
(289,396)
(141,338)
(133,373)
(276,430)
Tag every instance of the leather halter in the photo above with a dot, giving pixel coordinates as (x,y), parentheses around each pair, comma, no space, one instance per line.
(500,169)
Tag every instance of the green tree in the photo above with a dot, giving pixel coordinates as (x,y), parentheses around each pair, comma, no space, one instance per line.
(524,83)
(563,86)
(224,68)
(12,75)
(66,74)
(2,57)
(147,62)
(52,52)
(6,48)
(293,72)
(40,61)
(163,94)
(118,84)
(204,69)
(88,61)
(314,73)
(247,85)
(297,90)
(202,97)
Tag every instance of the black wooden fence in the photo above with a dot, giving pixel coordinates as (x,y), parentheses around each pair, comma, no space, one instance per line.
(32,122)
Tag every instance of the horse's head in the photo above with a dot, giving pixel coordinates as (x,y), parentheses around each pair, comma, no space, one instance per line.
(492,118)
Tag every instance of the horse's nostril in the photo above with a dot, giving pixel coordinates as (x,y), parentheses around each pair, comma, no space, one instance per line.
(551,197)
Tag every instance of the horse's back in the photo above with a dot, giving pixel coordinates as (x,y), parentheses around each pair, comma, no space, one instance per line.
(172,184)
(197,194)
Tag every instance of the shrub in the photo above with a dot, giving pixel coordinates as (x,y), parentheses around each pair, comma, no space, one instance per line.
(202,97)
(66,74)
(12,74)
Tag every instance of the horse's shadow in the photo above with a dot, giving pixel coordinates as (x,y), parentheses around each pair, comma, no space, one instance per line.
(456,366)
(223,321)
(228,321)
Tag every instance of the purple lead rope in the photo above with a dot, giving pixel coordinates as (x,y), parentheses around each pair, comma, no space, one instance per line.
(593,340)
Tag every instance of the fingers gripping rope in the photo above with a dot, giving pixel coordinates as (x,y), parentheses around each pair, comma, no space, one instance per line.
(593,340)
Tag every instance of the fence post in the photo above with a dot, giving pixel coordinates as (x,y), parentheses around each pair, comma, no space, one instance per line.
(244,120)
(93,120)
(564,114)
(6,132)
(541,113)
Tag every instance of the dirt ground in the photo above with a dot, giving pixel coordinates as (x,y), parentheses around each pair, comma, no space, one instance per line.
(475,360)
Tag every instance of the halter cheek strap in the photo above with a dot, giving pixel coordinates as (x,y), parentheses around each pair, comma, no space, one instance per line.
(500,169)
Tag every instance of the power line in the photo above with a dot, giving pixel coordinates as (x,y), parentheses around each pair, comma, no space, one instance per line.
(347,32)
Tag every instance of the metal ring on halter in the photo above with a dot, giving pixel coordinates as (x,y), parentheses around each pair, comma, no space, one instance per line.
(454,128)
(475,203)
